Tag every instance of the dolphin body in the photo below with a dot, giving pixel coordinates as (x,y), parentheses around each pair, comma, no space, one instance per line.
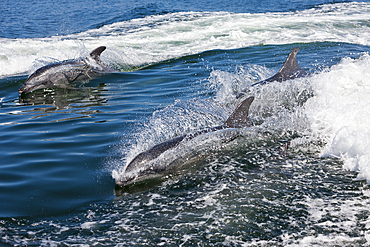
(290,70)
(137,171)
(64,73)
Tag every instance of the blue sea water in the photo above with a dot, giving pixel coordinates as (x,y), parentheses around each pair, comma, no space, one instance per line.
(180,65)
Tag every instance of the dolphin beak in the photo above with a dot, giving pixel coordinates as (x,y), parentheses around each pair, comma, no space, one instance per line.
(29,88)
(120,183)
(25,89)
(22,90)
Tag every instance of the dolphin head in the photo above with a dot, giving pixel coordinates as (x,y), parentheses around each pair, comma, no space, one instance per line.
(122,182)
(38,80)
(139,170)
(135,177)
(29,88)
(125,181)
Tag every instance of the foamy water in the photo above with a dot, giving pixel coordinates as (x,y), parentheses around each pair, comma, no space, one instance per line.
(339,113)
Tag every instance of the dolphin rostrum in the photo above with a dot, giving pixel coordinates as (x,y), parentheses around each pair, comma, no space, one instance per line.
(137,171)
(290,70)
(64,73)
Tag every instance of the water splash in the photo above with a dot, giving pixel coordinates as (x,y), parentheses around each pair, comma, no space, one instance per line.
(338,113)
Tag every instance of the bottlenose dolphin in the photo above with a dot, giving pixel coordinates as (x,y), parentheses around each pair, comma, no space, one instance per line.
(64,73)
(137,171)
(290,70)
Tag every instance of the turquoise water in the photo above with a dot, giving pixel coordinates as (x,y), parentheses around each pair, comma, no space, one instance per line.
(180,66)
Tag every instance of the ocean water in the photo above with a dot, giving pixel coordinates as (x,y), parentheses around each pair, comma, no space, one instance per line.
(180,65)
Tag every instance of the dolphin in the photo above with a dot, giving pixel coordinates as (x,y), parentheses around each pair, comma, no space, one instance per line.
(64,73)
(290,70)
(137,171)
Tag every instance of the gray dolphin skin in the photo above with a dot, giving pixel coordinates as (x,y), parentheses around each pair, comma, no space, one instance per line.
(64,73)
(290,70)
(137,171)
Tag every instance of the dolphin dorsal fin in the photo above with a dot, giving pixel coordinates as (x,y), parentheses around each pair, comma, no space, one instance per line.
(239,118)
(290,69)
(95,54)
(291,63)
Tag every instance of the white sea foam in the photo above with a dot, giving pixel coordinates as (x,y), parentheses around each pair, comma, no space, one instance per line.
(156,38)
(339,113)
